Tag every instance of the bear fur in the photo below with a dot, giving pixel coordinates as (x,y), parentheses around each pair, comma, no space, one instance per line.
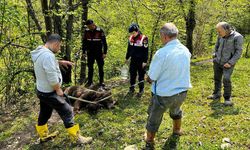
(90,95)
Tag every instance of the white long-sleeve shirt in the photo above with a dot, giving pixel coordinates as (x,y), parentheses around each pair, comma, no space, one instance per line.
(46,69)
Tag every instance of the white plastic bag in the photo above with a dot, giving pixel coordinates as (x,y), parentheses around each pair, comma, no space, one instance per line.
(124,72)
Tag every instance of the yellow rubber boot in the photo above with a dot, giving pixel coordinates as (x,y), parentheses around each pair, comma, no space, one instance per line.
(43,133)
(75,136)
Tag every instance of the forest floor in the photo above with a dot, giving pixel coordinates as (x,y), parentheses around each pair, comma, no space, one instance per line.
(205,122)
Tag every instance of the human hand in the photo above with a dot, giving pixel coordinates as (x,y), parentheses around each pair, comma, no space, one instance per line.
(144,65)
(227,65)
(126,61)
(65,63)
(147,78)
(103,56)
(213,55)
(59,92)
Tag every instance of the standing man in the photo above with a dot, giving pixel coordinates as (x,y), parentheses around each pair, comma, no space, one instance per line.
(96,47)
(138,53)
(170,74)
(228,50)
(49,92)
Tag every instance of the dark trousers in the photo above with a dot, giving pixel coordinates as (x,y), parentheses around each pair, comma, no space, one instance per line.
(136,67)
(100,64)
(220,71)
(50,101)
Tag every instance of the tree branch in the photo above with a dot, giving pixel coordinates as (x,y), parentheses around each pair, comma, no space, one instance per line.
(11,41)
(105,20)
(31,12)
(135,12)
(47,18)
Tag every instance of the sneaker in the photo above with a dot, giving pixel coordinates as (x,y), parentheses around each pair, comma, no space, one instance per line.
(139,94)
(101,85)
(149,146)
(214,97)
(228,102)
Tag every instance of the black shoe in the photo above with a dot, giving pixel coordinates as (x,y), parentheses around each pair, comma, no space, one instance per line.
(149,146)
(214,97)
(80,81)
(140,94)
(130,93)
(88,84)
(101,85)
(228,102)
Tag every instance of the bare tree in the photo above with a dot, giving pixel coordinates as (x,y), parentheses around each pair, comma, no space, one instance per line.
(190,23)
(47,18)
(83,59)
(2,20)
(135,11)
(159,14)
(33,16)
(69,30)
(57,20)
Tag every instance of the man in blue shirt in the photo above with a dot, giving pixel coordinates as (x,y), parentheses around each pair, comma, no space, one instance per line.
(170,74)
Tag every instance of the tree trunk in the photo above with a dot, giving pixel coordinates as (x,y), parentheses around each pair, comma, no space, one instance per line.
(57,20)
(32,14)
(190,25)
(47,18)
(247,55)
(69,30)
(2,20)
(155,27)
(83,59)
(135,11)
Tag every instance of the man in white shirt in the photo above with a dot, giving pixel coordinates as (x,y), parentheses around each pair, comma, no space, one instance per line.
(170,74)
(49,92)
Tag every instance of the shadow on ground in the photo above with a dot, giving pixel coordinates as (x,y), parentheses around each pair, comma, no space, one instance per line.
(171,143)
(220,109)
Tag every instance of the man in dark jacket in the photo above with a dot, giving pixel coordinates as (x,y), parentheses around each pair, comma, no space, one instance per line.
(138,53)
(228,50)
(96,47)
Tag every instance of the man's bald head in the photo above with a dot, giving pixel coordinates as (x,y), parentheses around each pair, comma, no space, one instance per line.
(168,32)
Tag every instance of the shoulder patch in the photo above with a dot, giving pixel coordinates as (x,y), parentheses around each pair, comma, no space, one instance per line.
(145,42)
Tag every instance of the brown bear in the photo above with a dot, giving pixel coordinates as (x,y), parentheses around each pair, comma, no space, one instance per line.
(90,95)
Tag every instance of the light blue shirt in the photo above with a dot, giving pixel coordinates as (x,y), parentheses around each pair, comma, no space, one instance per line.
(170,69)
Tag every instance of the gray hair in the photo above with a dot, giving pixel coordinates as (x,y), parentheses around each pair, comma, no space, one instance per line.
(226,26)
(170,30)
